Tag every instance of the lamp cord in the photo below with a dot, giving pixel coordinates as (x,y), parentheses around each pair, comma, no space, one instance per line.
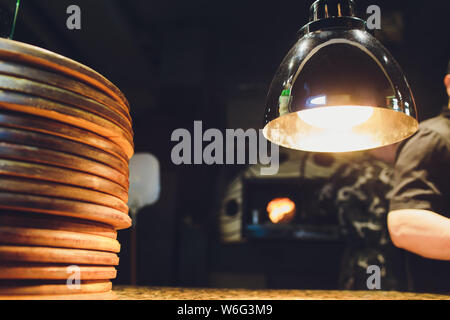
(15,19)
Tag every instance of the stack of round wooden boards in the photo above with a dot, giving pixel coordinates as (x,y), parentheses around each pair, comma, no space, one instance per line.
(65,141)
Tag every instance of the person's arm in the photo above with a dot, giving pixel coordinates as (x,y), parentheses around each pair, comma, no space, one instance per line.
(416,220)
(420,231)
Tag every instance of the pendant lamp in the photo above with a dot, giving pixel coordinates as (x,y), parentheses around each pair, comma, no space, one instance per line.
(338,89)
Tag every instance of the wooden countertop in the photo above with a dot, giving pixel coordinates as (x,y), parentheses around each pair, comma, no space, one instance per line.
(166,293)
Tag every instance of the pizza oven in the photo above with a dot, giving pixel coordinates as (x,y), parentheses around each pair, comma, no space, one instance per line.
(284,209)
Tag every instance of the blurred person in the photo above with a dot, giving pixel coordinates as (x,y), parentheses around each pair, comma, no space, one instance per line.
(358,194)
(419,207)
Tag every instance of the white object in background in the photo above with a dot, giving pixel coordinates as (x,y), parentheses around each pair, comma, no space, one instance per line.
(145,187)
(145,184)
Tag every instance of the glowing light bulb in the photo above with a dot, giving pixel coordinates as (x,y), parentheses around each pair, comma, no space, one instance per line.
(336,117)
(342,141)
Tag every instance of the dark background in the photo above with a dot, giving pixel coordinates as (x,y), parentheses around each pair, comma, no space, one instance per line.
(178,61)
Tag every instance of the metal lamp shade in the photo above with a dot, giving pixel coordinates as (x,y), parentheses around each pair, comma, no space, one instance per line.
(338,89)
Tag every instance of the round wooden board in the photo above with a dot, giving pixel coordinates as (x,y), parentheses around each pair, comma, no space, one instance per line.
(37,106)
(45,221)
(63,207)
(65,97)
(57,190)
(31,55)
(63,160)
(46,141)
(62,82)
(38,271)
(83,296)
(59,129)
(57,239)
(59,175)
(60,159)
(57,255)
(13,288)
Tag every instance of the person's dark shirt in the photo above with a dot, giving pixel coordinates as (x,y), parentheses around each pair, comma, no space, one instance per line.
(422,181)
(356,193)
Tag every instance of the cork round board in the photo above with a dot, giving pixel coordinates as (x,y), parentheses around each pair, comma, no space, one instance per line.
(56,255)
(57,239)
